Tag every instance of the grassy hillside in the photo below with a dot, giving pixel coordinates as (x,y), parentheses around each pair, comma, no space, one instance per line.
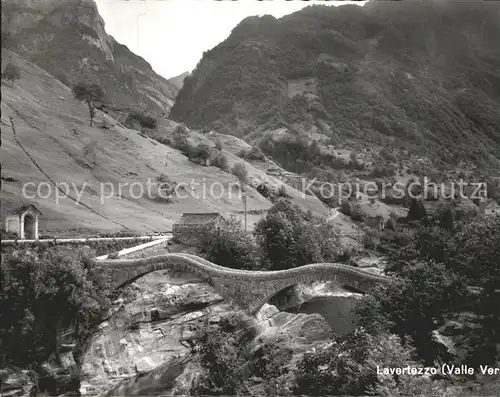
(51,135)
(419,76)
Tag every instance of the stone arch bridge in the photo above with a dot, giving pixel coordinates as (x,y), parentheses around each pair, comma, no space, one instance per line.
(246,288)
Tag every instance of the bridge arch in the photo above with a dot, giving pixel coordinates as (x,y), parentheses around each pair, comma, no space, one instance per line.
(248,289)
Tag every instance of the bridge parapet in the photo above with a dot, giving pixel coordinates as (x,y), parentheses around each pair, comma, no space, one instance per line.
(248,289)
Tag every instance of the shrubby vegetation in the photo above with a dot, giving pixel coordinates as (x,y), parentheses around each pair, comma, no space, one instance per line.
(287,237)
(228,365)
(272,194)
(253,154)
(45,292)
(11,73)
(202,153)
(232,247)
(166,188)
(98,247)
(435,264)
(240,171)
(143,119)
(346,365)
(219,160)
(299,155)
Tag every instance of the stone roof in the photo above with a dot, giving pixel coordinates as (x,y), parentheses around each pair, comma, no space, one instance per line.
(25,208)
(198,218)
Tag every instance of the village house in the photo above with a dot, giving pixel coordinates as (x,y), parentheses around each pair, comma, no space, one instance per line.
(489,207)
(375,222)
(191,227)
(24,222)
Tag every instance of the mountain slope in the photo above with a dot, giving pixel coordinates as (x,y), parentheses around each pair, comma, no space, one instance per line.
(48,149)
(417,75)
(178,81)
(68,40)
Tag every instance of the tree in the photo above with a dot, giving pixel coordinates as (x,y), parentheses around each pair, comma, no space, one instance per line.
(231,247)
(204,152)
(222,361)
(220,161)
(288,237)
(275,235)
(434,265)
(11,73)
(142,118)
(230,367)
(416,211)
(166,188)
(218,144)
(447,218)
(90,150)
(90,93)
(240,171)
(43,292)
(347,364)
(415,305)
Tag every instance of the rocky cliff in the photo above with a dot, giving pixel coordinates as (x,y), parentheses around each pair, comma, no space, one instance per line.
(178,81)
(69,40)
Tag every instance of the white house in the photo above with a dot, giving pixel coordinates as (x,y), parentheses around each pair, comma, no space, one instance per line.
(24,222)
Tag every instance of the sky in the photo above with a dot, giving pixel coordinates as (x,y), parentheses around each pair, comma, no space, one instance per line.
(173,34)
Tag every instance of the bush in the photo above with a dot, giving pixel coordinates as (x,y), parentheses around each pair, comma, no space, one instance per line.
(143,119)
(219,160)
(228,365)
(371,239)
(166,188)
(348,366)
(240,171)
(97,247)
(203,152)
(11,73)
(218,144)
(8,235)
(415,305)
(253,154)
(43,293)
(231,247)
(357,214)
(282,192)
(288,238)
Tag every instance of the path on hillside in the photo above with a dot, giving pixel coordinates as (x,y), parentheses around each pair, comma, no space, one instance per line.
(16,139)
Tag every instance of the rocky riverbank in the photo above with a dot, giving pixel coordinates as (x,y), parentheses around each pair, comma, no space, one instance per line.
(143,348)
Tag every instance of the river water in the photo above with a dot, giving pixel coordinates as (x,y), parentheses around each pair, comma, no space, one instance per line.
(333,302)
